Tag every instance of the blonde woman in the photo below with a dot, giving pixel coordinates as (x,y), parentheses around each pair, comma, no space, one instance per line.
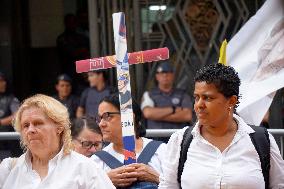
(44,126)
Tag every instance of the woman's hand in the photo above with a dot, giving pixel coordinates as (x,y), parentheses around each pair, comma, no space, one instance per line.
(123,176)
(146,173)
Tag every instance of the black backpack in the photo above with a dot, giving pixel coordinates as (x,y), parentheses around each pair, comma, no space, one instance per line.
(259,138)
(144,157)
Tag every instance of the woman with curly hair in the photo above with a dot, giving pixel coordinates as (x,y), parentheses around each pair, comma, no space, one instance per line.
(222,153)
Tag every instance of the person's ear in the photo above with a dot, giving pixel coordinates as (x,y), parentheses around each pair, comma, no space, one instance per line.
(156,76)
(56,87)
(233,101)
(59,130)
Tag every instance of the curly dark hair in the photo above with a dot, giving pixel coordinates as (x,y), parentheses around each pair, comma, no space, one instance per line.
(225,78)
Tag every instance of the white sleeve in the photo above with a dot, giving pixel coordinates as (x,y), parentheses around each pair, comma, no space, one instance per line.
(5,169)
(158,158)
(168,178)
(100,163)
(97,178)
(276,173)
(146,101)
(102,181)
(97,160)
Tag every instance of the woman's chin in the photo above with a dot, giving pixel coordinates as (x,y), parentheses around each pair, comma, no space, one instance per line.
(106,137)
(35,145)
(202,121)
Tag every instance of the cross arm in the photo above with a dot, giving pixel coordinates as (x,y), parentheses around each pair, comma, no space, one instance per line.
(133,58)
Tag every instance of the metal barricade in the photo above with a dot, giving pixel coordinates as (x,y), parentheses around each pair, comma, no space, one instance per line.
(153,133)
(9,136)
(169,132)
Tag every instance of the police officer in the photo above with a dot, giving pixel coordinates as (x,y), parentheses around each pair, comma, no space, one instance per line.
(9,104)
(166,107)
(92,96)
(64,89)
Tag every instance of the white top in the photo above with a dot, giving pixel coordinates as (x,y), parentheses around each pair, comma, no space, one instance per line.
(73,171)
(238,166)
(155,161)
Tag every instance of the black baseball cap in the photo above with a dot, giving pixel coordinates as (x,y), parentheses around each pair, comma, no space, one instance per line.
(164,66)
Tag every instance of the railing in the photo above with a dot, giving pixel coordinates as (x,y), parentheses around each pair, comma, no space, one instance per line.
(153,133)
(168,132)
(9,136)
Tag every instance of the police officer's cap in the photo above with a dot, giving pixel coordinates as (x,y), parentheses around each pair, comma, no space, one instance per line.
(64,77)
(164,66)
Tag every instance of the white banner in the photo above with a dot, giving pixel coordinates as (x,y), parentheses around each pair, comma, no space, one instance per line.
(257,54)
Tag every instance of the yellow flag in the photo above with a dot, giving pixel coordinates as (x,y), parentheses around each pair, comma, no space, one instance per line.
(222,57)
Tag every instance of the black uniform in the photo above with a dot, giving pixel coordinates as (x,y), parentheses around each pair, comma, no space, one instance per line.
(9,104)
(71,103)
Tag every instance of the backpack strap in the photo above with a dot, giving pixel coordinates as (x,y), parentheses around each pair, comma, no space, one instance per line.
(261,142)
(148,151)
(144,157)
(186,140)
(109,159)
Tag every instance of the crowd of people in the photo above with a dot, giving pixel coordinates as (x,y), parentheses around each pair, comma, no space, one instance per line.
(69,142)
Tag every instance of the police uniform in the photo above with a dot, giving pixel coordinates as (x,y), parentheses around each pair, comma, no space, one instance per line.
(9,104)
(157,98)
(91,98)
(71,103)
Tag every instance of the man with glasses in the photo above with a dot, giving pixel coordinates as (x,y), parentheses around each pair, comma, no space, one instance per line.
(166,107)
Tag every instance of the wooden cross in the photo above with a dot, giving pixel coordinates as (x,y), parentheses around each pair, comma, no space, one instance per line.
(122,61)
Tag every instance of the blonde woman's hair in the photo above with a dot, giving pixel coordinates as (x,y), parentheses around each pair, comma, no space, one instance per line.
(55,111)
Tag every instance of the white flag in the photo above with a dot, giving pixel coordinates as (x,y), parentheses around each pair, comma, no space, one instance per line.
(257,54)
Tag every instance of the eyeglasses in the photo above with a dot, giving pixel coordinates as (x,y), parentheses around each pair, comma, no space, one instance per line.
(88,144)
(105,116)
